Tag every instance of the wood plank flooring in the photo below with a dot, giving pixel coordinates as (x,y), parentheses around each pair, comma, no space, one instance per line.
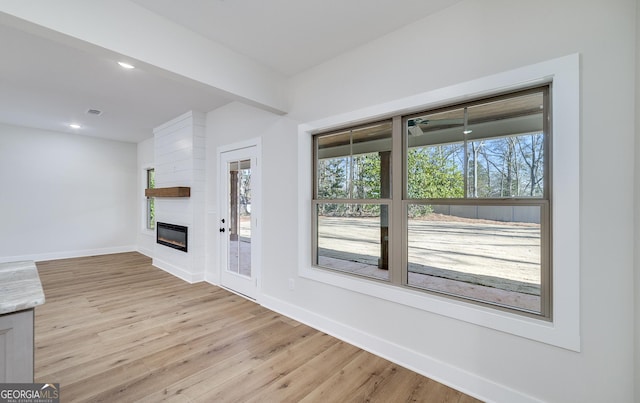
(116,329)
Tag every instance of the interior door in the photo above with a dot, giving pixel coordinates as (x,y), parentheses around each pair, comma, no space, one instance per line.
(239,244)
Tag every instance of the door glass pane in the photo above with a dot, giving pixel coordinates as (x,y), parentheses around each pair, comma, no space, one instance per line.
(239,254)
(353,238)
(486,253)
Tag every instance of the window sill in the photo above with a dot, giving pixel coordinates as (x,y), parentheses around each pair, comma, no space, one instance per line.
(524,326)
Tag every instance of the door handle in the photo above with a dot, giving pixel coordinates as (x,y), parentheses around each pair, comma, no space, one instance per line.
(221,229)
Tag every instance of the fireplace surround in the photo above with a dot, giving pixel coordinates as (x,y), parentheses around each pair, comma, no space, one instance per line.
(172,235)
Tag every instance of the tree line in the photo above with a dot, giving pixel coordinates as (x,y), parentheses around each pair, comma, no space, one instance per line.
(502,167)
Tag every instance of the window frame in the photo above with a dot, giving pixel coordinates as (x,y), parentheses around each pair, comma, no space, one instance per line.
(398,238)
(150,201)
(544,202)
(563,76)
(381,201)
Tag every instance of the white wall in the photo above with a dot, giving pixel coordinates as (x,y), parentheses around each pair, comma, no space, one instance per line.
(468,41)
(637,210)
(65,195)
(235,123)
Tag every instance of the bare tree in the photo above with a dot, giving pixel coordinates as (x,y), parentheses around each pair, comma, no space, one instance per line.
(532,153)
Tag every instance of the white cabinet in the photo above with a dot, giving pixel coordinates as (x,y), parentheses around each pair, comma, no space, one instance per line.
(16,347)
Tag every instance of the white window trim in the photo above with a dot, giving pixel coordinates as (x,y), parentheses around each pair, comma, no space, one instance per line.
(564,329)
(145,230)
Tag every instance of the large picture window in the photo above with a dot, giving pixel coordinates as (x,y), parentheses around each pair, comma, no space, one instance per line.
(454,201)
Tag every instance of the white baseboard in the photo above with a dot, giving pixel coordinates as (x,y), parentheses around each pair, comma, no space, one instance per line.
(178,272)
(457,378)
(146,251)
(211,279)
(40,257)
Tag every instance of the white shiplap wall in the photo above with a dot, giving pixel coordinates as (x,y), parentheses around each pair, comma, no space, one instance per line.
(180,161)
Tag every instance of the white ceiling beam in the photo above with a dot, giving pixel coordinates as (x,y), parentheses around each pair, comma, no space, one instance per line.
(125,28)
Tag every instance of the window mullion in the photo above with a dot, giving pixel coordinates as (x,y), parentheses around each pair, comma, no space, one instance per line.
(397,231)
(466,155)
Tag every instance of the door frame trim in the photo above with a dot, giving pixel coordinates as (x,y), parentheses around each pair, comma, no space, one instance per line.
(256,211)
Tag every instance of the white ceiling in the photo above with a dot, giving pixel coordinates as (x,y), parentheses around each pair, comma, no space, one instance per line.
(294,35)
(47,84)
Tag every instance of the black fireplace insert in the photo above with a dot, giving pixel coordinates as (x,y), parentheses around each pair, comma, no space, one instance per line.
(171,235)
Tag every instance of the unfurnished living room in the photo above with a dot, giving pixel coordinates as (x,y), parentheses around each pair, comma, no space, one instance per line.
(319,201)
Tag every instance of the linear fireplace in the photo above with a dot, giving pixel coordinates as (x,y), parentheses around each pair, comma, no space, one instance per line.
(171,235)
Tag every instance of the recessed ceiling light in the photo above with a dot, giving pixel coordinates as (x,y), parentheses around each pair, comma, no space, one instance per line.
(74,126)
(126,65)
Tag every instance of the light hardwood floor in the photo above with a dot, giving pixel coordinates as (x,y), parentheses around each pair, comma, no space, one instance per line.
(116,329)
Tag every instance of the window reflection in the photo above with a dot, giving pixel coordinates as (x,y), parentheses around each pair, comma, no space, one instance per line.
(353,238)
(355,164)
(487,253)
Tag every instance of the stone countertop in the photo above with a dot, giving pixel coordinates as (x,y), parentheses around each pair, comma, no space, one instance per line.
(20,287)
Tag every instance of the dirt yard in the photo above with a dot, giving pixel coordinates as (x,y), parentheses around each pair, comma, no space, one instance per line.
(497,259)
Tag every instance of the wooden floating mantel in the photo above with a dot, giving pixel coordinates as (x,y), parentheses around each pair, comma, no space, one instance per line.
(177,191)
